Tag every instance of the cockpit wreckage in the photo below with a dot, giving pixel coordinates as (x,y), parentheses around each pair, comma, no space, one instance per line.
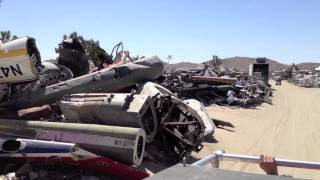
(56,115)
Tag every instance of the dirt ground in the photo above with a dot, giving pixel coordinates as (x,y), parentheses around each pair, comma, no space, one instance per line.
(287,129)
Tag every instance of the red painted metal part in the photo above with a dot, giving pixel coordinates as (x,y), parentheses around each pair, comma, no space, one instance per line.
(99,164)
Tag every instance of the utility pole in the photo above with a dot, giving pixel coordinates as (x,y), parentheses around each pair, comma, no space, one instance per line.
(169,57)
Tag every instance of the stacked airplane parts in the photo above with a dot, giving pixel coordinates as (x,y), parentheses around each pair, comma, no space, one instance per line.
(173,128)
(43,152)
(105,80)
(181,128)
(125,110)
(124,144)
(112,115)
(209,88)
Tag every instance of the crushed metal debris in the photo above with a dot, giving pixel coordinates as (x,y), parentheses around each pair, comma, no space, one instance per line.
(67,119)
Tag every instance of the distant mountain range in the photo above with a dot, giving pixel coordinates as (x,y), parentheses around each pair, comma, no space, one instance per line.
(308,65)
(242,64)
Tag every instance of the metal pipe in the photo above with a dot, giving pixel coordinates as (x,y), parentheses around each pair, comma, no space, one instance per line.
(221,155)
(105,80)
(205,160)
(280,162)
(29,148)
(123,144)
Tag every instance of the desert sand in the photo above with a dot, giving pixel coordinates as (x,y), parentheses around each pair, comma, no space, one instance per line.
(289,128)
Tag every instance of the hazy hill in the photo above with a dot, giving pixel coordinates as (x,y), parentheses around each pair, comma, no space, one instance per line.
(242,63)
(308,66)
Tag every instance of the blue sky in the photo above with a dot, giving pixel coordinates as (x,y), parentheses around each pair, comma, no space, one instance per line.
(190,30)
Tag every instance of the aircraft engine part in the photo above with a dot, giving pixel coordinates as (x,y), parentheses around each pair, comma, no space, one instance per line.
(119,143)
(19,61)
(126,110)
(105,80)
(200,109)
(181,129)
(54,73)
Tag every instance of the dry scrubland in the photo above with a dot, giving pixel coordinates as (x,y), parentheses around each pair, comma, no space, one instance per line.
(288,129)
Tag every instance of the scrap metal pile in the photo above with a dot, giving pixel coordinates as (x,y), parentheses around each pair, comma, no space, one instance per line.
(303,80)
(222,87)
(65,120)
